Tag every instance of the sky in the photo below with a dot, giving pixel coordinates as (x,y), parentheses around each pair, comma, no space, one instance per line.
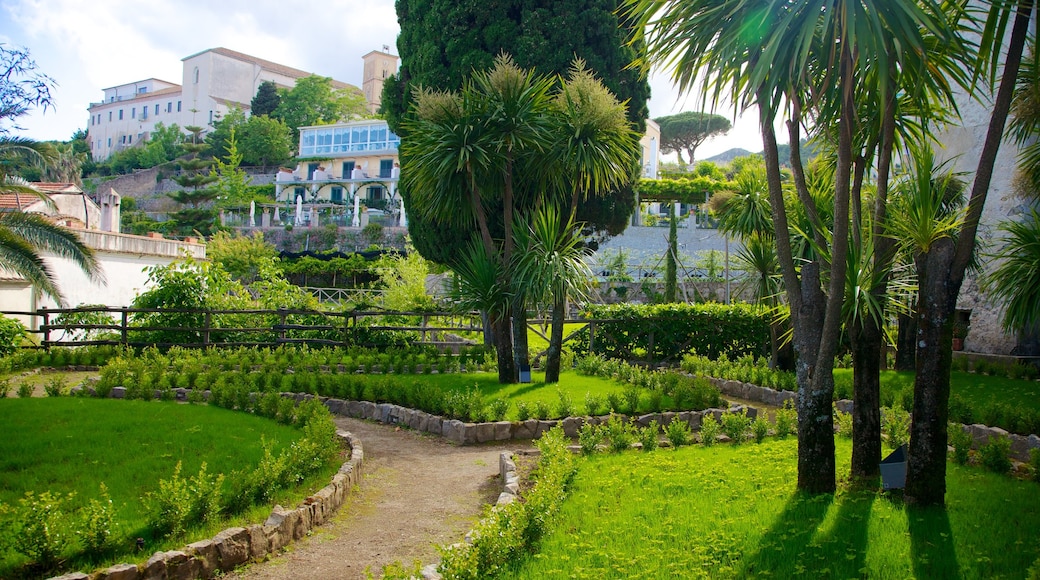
(87,46)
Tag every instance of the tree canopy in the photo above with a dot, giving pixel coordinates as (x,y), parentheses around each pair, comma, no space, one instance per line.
(315,101)
(688,130)
(266,99)
(442,42)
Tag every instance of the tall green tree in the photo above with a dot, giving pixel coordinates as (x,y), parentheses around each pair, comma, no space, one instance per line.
(266,100)
(545,36)
(196,180)
(688,130)
(315,101)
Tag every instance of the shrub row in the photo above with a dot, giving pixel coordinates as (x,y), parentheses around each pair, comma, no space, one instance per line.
(687,392)
(746,369)
(505,532)
(658,332)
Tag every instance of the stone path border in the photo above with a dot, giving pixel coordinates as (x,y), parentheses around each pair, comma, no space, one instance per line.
(980,434)
(235,546)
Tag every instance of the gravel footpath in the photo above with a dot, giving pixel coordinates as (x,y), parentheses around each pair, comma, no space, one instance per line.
(418,492)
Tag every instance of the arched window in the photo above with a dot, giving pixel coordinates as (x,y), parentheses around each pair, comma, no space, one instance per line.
(196,75)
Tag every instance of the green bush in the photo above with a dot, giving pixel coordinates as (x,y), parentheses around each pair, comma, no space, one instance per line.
(995,455)
(589,438)
(497,409)
(736,425)
(56,387)
(669,331)
(170,507)
(564,405)
(44,532)
(648,436)
(25,389)
(678,433)
(620,432)
(523,411)
(12,334)
(98,523)
(710,429)
(5,388)
(961,441)
(895,423)
(760,428)
(786,420)
(593,404)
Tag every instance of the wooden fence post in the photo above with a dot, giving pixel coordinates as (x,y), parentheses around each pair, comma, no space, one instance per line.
(123,327)
(592,337)
(46,327)
(205,328)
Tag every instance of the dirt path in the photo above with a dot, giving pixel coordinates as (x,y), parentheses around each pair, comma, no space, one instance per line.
(418,492)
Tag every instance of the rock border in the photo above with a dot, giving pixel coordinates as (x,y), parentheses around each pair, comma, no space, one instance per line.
(980,434)
(235,546)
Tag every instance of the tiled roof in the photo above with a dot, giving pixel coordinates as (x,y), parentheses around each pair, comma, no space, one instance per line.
(49,187)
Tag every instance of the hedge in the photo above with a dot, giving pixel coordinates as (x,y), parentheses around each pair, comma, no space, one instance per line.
(667,332)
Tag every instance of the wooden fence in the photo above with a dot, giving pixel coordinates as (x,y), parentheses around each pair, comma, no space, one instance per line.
(202,328)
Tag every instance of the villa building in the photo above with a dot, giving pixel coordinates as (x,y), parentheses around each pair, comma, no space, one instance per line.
(212,82)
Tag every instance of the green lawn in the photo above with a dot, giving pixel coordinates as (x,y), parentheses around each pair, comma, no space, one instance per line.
(976,389)
(71,445)
(572,385)
(732,512)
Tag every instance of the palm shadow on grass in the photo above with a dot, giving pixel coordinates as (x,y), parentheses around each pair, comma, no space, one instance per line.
(931,543)
(782,550)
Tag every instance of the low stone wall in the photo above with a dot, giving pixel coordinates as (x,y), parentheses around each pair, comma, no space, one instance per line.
(471,433)
(236,546)
(981,434)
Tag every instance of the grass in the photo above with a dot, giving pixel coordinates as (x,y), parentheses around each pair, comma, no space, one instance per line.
(72,444)
(572,384)
(977,389)
(733,512)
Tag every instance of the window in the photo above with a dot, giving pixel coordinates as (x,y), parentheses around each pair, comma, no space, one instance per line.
(120,114)
(211,117)
(144,112)
(337,194)
(348,168)
(178,106)
(142,90)
(375,193)
(311,167)
(109,142)
(133,113)
(122,139)
(385,166)
(129,139)
(156,108)
(110,115)
(196,75)
(169,107)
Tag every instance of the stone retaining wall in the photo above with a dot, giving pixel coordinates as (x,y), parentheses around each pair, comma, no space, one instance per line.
(981,434)
(235,546)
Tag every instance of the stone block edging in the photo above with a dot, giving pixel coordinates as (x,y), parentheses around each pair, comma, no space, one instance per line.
(980,434)
(235,546)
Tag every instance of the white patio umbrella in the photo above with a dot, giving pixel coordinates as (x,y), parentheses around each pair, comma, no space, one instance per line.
(252,213)
(299,210)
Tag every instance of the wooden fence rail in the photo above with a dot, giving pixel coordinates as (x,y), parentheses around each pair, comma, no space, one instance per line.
(202,328)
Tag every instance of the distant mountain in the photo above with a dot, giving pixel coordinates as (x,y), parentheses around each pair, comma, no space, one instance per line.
(727,156)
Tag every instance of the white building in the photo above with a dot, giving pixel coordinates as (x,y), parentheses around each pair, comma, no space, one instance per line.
(123,258)
(212,82)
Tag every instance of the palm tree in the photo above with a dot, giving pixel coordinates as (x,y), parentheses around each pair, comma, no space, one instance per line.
(1016,280)
(810,58)
(551,265)
(24,236)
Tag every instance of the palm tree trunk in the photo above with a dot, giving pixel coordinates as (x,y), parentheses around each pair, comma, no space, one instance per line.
(866,340)
(906,341)
(552,355)
(926,460)
(504,349)
(520,350)
(941,274)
